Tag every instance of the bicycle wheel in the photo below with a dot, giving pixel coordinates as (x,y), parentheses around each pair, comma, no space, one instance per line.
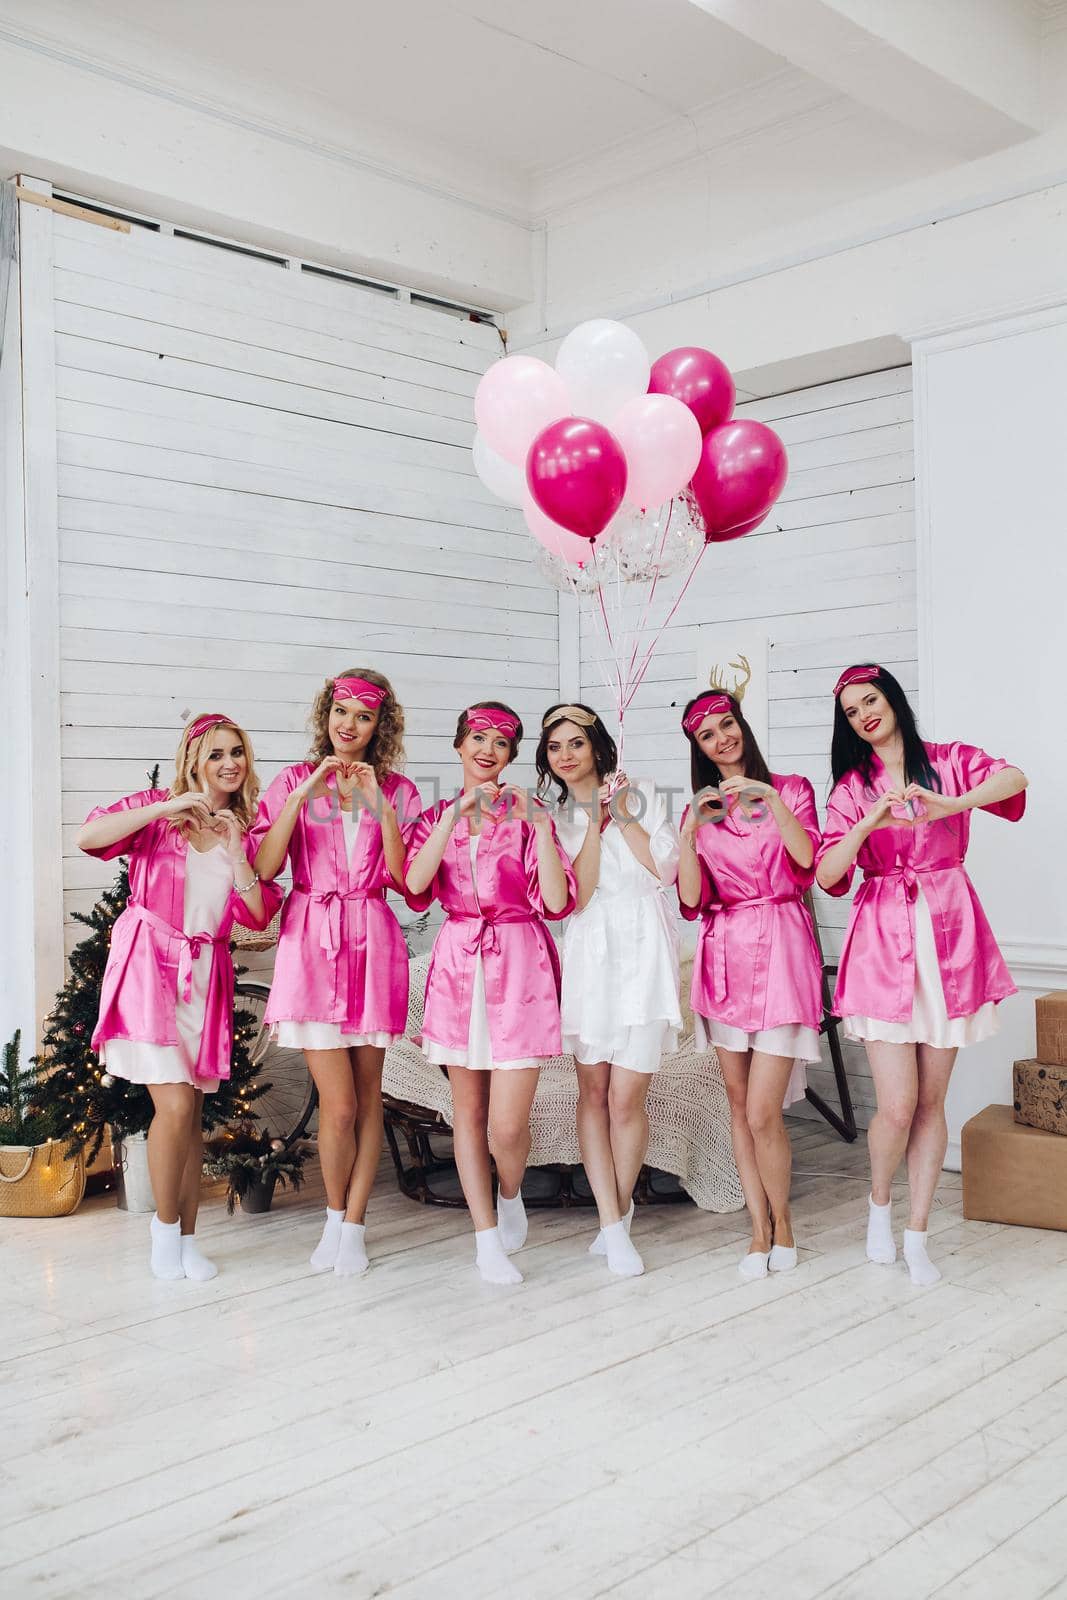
(286,1107)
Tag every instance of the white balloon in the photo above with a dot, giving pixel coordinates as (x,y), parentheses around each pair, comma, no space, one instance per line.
(507,482)
(604,364)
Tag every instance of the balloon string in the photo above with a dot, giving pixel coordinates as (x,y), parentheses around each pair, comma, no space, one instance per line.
(637,681)
(607,630)
(647,609)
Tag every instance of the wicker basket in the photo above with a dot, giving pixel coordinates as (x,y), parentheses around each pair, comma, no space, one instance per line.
(253,939)
(40,1180)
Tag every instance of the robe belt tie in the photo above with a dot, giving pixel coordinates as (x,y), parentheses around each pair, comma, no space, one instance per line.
(191,946)
(482,933)
(907,876)
(717,933)
(910,875)
(331,899)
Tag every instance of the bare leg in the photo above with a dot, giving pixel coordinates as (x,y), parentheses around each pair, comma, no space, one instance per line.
(470,1142)
(928,1139)
(189,1200)
(768,1078)
(168,1145)
(370,1124)
(332,1072)
(594,1138)
(511,1099)
(628,1120)
(896,1085)
(735,1068)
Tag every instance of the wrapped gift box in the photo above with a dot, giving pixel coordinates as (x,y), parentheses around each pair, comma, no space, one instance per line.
(1051,1012)
(1012,1173)
(1040,1096)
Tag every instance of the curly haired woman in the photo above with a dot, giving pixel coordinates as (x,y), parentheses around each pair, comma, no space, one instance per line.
(340,991)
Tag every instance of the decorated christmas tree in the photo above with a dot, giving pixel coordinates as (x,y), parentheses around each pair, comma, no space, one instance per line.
(83,1100)
(22,1120)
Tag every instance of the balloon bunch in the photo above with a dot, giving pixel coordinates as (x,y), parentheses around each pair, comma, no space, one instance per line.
(625,469)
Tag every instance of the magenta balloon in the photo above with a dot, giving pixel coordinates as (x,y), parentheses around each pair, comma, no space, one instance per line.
(742,471)
(735,533)
(576,472)
(699,380)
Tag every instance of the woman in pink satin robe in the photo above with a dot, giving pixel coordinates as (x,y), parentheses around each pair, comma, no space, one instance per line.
(166,1003)
(920,972)
(492,859)
(340,987)
(748,854)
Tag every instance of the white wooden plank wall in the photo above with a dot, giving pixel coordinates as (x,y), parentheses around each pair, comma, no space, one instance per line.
(265,477)
(832,582)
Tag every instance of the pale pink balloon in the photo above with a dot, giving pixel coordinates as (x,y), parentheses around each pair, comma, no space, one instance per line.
(661,440)
(515,400)
(552,536)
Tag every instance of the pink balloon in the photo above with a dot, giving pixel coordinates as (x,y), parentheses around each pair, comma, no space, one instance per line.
(551,535)
(742,471)
(661,441)
(699,380)
(576,472)
(735,533)
(514,400)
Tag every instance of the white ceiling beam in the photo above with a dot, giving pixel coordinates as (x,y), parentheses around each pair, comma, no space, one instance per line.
(963,72)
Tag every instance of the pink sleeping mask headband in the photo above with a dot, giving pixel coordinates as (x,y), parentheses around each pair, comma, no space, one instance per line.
(372,694)
(709,705)
(213,719)
(856,675)
(481,719)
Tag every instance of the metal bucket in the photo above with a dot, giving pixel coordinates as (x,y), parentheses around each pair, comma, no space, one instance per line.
(133,1186)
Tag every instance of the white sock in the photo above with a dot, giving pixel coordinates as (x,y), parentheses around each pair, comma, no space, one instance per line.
(623,1258)
(324,1255)
(754,1265)
(196,1265)
(783,1258)
(881,1246)
(491,1260)
(166,1248)
(597,1247)
(923,1272)
(352,1251)
(511,1222)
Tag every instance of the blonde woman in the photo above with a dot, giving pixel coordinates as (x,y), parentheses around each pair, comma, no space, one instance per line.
(340,989)
(166,1004)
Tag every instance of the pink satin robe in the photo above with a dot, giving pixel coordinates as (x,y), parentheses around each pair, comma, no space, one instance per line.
(150,960)
(877,970)
(504,917)
(341,955)
(757,964)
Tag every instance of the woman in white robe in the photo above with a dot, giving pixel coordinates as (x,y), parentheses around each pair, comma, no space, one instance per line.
(619,1006)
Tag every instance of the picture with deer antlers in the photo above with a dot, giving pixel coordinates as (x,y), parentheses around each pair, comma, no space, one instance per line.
(733,657)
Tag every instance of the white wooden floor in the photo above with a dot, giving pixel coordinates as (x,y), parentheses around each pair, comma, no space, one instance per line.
(414,1433)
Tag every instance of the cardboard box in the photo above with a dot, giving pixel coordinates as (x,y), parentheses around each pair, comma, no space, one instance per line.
(1040,1096)
(1012,1173)
(1051,1012)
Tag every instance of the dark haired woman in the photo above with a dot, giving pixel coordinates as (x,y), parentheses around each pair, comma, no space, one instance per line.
(920,971)
(492,859)
(748,854)
(620,958)
(166,1002)
(340,989)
